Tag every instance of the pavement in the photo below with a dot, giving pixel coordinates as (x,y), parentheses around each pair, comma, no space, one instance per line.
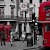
(18,45)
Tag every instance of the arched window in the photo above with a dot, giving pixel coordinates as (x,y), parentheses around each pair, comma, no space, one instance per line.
(40,1)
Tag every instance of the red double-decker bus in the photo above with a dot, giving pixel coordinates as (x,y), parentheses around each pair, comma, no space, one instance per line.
(44,18)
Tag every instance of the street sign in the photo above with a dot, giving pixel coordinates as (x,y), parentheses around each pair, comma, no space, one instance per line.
(23,6)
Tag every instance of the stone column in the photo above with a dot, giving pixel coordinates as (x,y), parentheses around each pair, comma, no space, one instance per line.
(28,29)
(22,27)
(17,27)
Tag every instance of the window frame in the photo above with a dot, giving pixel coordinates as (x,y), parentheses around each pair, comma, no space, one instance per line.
(1,12)
(12,11)
(21,1)
(46,27)
(30,1)
(48,7)
(11,0)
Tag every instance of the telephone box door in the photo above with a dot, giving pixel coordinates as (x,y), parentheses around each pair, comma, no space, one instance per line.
(47,35)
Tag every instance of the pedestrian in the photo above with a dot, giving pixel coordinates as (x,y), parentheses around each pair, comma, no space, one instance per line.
(23,36)
(2,37)
(11,37)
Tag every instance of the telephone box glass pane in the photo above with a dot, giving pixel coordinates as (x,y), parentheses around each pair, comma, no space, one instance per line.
(47,27)
(47,8)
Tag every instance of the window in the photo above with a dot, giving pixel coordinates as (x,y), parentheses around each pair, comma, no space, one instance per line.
(48,0)
(21,1)
(33,16)
(40,1)
(1,11)
(11,0)
(30,1)
(47,8)
(48,15)
(47,27)
(12,11)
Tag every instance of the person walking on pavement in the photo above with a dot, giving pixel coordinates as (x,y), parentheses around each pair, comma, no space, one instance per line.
(2,37)
(11,37)
(23,36)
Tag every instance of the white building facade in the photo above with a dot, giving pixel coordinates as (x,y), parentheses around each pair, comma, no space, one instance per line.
(10,13)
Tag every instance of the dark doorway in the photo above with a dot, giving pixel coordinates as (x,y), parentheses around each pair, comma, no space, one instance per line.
(40,28)
(20,32)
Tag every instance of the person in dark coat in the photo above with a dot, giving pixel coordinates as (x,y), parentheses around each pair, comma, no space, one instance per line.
(2,37)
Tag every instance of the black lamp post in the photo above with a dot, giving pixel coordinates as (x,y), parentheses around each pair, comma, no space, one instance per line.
(34,26)
(25,21)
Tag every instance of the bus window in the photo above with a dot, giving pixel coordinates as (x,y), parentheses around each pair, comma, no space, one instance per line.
(47,27)
(47,8)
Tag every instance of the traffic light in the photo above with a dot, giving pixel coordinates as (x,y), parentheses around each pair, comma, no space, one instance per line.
(33,16)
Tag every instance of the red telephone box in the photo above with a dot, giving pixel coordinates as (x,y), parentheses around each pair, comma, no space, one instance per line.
(46,35)
(44,18)
(7,29)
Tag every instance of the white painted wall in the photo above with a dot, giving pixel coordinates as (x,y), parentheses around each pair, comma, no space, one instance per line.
(7,1)
(15,13)
(15,9)
(36,2)
(36,11)
(7,8)
(28,30)
(26,1)
(19,13)
(22,27)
